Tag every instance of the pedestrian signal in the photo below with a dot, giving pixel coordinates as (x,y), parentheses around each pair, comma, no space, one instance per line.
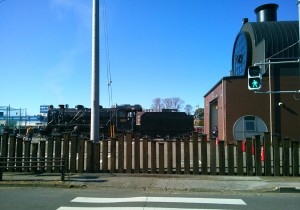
(254,78)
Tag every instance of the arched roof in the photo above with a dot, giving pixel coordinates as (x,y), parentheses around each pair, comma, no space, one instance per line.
(278,35)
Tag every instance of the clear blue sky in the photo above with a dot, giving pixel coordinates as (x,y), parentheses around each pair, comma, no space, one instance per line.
(158,48)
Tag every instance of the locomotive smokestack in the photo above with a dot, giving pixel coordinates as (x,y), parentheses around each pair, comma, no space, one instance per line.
(94,135)
(266,12)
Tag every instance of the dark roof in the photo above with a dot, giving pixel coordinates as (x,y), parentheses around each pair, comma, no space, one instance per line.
(278,36)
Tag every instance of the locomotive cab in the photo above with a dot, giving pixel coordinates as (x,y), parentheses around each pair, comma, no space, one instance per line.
(126,117)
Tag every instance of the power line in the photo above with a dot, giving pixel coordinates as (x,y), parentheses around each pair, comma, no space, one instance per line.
(283,50)
(109,81)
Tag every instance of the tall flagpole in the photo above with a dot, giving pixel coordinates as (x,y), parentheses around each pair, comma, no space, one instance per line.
(94,136)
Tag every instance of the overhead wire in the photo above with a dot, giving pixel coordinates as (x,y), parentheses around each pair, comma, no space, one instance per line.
(295,98)
(283,50)
(109,80)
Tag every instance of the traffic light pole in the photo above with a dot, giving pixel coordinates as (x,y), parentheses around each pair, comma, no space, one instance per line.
(270,92)
(276,92)
(276,62)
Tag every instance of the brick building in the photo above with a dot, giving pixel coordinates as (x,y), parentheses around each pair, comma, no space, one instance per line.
(239,112)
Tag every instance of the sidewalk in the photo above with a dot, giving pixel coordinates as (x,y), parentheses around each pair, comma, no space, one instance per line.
(156,182)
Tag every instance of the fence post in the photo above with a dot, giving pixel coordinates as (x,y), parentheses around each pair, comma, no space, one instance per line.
(74,147)
(57,139)
(145,155)
(169,156)
(63,170)
(97,157)
(89,156)
(113,155)
(195,153)
(1,169)
(286,157)
(258,166)
(34,153)
(66,140)
(137,153)
(221,147)
(161,157)
(27,155)
(128,152)
(249,161)
(178,156)
(4,146)
(186,150)
(240,158)
(295,156)
(81,149)
(0,144)
(276,155)
(213,156)
(12,151)
(121,153)
(49,153)
(204,153)
(19,153)
(267,151)
(105,155)
(153,156)
(42,155)
(230,153)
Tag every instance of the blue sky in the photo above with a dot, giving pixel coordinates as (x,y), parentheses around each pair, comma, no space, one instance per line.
(157,48)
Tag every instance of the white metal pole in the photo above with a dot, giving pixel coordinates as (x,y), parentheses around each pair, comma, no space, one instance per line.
(94,135)
(271,100)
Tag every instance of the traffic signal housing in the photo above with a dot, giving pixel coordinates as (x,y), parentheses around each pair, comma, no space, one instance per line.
(254,78)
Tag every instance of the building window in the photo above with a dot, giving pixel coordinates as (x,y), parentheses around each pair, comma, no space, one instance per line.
(249,123)
(248,126)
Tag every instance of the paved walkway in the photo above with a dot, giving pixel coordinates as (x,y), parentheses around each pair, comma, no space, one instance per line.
(144,182)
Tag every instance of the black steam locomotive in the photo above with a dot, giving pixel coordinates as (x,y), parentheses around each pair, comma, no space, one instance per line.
(118,120)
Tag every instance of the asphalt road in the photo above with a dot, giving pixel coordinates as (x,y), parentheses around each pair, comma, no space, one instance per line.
(80,199)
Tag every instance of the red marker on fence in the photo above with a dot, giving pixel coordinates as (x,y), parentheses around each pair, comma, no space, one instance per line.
(243,146)
(262,154)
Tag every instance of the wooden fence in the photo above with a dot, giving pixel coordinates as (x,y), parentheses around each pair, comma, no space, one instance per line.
(188,155)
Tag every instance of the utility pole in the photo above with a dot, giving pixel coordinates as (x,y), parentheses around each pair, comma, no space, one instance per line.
(94,134)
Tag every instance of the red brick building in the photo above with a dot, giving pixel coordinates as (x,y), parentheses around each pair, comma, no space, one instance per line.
(238,112)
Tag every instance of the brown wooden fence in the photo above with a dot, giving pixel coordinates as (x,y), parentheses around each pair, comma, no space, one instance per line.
(188,155)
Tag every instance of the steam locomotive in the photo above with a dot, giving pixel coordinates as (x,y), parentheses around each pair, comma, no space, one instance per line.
(118,120)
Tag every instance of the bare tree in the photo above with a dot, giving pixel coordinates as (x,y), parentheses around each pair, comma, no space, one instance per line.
(188,109)
(157,104)
(177,103)
(168,103)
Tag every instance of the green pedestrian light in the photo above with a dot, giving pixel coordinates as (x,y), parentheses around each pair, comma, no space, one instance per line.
(254,78)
